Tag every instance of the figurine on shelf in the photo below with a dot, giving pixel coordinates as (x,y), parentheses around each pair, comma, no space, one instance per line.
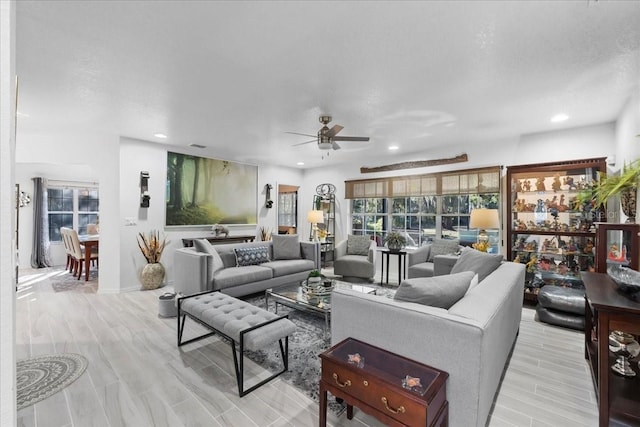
(552,204)
(531,225)
(568,181)
(540,184)
(563,268)
(518,186)
(588,247)
(556,182)
(520,244)
(540,211)
(617,255)
(531,246)
(561,205)
(544,263)
(582,184)
(526,185)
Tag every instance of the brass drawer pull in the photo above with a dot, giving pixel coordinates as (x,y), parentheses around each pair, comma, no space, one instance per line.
(400,410)
(347,383)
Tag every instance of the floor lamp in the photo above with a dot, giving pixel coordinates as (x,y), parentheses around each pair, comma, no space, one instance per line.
(314,218)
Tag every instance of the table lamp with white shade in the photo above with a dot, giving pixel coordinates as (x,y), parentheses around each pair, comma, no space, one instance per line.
(484,219)
(314,218)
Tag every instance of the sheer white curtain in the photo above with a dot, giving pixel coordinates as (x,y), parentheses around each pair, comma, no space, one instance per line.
(40,251)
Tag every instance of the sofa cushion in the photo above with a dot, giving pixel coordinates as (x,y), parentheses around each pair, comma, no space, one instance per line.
(287,267)
(481,263)
(251,256)
(285,246)
(234,276)
(424,269)
(358,245)
(214,262)
(443,247)
(439,291)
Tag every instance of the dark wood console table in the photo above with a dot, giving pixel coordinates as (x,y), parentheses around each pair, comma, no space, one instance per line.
(218,240)
(375,385)
(608,310)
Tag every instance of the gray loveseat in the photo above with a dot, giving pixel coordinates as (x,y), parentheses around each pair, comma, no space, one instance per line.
(200,271)
(472,340)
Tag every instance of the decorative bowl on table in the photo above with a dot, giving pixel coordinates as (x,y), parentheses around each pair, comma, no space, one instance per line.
(316,290)
(626,279)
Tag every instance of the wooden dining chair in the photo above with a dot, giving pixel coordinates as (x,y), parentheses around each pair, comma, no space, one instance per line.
(78,253)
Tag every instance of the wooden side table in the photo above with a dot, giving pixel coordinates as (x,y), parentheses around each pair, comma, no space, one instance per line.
(395,390)
(402,256)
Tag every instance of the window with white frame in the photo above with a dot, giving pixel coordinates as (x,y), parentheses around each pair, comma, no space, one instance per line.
(444,213)
(71,207)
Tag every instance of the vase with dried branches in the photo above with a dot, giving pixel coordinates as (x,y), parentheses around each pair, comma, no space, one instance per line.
(265,234)
(151,245)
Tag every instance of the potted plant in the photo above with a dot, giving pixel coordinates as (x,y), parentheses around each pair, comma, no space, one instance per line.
(151,246)
(314,277)
(395,241)
(606,186)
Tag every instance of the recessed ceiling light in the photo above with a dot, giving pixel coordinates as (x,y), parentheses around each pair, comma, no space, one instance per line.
(300,163)
(393,147)
(559,118)
(160,135)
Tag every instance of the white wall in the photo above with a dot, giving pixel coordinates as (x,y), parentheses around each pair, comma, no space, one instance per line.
(627,148)
(137,156)
(7,210)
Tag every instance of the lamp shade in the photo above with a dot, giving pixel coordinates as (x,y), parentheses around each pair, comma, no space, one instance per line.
(484,219)
(315,217)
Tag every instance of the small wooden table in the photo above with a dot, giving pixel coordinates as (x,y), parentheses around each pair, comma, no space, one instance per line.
(218,240)
(402,255)
(374,380)
(607,310)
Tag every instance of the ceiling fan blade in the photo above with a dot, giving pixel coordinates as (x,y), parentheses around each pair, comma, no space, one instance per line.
(351,138)
(306,142)
(335,145)
(334,131)
(303,134)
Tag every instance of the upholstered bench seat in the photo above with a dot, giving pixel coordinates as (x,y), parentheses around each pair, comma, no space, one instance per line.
(243,324)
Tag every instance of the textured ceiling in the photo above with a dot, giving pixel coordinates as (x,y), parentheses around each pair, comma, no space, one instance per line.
(235,76)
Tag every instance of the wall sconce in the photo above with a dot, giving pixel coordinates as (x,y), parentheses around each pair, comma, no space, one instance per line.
(24,199)
(268,203)
(144,189)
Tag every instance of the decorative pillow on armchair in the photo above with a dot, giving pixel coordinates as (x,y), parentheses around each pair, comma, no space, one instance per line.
(358,245)
(481,263)
(438,291)
(443,247)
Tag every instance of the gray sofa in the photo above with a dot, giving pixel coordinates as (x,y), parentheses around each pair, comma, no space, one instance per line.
(472,340)
(197,271)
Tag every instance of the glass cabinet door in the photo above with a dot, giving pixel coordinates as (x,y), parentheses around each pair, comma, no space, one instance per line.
(617,244)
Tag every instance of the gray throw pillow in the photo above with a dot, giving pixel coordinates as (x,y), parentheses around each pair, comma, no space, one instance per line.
(438,291)
(214,262)
(443,247)
(358,245)
(251,256)
(481,263)
(285,246)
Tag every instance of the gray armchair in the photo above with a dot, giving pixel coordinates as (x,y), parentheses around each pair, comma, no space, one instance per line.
(362,266)
(418,264)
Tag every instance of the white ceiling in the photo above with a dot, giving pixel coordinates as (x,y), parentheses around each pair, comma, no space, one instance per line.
(235,76)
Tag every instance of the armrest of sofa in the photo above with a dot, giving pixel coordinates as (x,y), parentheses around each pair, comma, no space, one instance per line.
(311,250)
(190,271)
(442,264)
(373,248)
(419,255)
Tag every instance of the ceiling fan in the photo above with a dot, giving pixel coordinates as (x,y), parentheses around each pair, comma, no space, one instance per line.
(326,138)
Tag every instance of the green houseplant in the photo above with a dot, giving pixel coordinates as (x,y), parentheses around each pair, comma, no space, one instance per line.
(395,241)
(624,185)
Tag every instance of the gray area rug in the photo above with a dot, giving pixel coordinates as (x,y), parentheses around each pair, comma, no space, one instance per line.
(66,282)
(40,377)
(304,347)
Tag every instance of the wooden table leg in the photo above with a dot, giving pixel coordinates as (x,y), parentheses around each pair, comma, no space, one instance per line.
(349,412)
(323,405)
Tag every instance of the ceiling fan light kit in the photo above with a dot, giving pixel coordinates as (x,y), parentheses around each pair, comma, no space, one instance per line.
(327,138)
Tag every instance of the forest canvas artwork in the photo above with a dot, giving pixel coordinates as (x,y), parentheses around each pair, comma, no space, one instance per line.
(202,191)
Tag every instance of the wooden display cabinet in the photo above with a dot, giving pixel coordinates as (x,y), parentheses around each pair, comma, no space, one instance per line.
(617,244)
(547,229)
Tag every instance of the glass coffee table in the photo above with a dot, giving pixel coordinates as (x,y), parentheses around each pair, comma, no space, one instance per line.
(294,296)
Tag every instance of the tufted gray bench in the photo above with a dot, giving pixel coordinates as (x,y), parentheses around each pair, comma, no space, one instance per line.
(244,325)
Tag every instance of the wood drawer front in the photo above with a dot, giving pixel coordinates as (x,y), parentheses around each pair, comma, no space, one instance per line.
(371,391)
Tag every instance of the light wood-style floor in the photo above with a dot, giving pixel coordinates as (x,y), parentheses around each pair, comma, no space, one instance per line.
(138,377)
